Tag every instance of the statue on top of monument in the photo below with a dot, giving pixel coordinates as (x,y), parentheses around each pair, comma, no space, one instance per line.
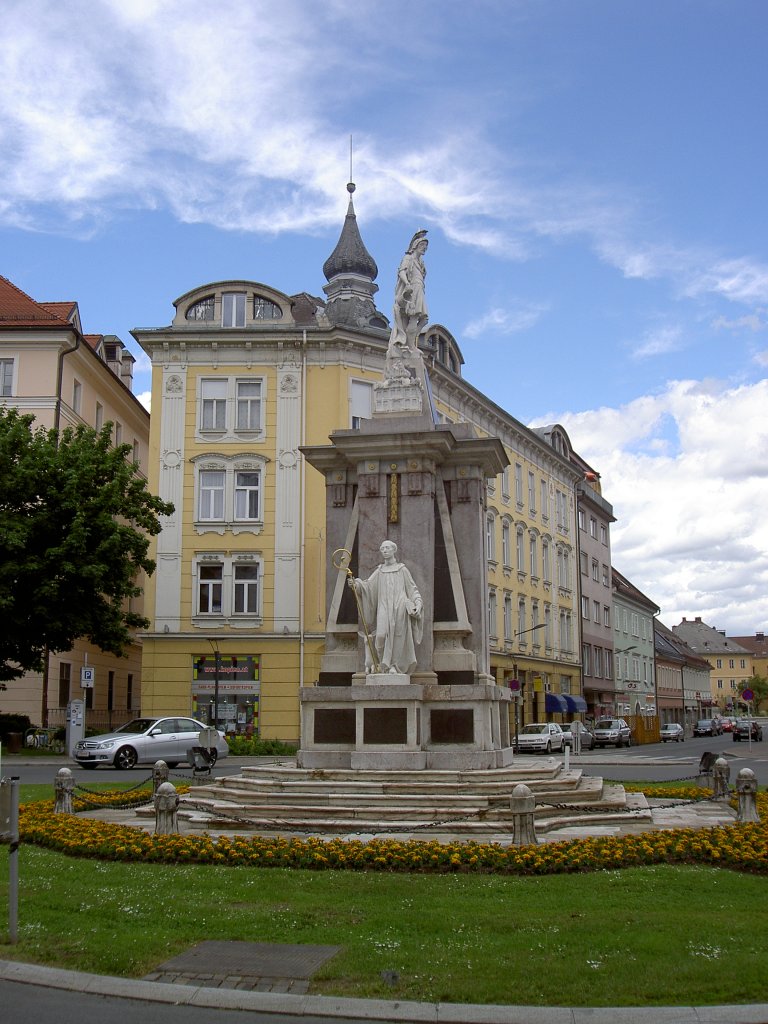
(410,309)
(393,604)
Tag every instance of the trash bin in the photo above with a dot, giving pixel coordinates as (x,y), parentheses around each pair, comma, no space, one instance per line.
(13,741)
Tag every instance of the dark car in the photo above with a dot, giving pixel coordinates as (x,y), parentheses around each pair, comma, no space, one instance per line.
(744,727)
(707,727)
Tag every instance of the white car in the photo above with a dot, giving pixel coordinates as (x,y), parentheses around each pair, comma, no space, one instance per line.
(540,736)
(672,731)
(144,741)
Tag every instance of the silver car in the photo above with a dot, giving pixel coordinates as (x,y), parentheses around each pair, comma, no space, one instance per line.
(613,731)
(540,736)
(144,741)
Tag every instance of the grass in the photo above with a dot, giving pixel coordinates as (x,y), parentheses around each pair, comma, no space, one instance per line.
(607,938)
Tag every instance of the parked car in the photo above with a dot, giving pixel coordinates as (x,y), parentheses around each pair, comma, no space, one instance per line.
(586,739)
(612,732)
(540,736)
(144,741)
(672,731)
(707,727)
(745,726)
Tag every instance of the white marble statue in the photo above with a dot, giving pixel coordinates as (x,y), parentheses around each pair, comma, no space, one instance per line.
(394,610)
(410,309)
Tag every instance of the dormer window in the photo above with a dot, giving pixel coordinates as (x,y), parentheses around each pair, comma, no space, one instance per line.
(233,309)
(263,309)
(202,310)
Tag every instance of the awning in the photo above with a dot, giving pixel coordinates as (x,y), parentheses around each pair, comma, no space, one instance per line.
(555,702)
(576,703)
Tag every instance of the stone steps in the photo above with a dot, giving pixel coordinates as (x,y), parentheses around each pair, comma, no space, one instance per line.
(289,800)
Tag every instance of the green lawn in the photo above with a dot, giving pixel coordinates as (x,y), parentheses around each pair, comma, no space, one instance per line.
(640,936)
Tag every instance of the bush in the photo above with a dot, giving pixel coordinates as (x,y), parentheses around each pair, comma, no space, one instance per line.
(245,746)
(13,723)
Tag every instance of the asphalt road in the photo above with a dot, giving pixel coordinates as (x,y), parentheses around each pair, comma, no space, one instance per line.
(655,762)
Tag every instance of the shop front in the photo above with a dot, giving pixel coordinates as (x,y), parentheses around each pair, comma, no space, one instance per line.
(226,692)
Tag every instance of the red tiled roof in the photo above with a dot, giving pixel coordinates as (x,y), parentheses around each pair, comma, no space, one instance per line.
(17,309)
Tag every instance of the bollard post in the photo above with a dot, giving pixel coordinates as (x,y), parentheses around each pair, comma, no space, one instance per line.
(64,788)
(523,804)
(160,773)
(9,833)
(721,773)
(746,787)
(166,807)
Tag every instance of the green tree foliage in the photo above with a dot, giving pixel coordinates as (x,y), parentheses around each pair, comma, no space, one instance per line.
(759,686)
(75,523)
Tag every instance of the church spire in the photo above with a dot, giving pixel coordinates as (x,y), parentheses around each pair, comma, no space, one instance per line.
(350,255)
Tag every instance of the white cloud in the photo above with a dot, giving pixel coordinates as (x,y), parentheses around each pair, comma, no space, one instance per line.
(504,321)
(658,342)
(753,323)
(691,528)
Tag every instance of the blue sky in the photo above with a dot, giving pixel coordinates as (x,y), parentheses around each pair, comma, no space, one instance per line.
(591,172)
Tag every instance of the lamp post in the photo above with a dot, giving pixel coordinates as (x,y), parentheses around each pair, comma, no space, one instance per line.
(216,670)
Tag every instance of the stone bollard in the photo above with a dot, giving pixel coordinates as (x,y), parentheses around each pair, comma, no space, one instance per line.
(64,787)
(160,773)
(721,774)
(523,804)
(746,787)
(166,806)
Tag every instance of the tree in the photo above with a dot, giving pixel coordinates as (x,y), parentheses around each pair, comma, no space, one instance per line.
(75,522)
(759,686)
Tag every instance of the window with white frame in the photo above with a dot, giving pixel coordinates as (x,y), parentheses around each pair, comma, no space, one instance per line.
(606,576)
(586,659)
(248,405)
(507,616)
(229,586)
(492,613)
(246,589)
(596,611)
(546,560)
(603,533)
(544,500)
(520,549)
(505,482)
(360,402)
(519,484)
(229,493)
(77,396)
(210,583)
(582,519)
(597,662)
(231,407)
(99,420)
(584,607)
(490,537)
(565,631)
(548,625)
(118,434)
(531,492)
(233,309)
(533,555)
(521,618)
(593,527)
(213,404)
(563,569)
(584,563)
(506,544)
(595,570)
(606,615)
(6,377)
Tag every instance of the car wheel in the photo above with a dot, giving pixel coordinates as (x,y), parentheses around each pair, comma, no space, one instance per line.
(213,754)
(125,758)
(629,741)
(549,748)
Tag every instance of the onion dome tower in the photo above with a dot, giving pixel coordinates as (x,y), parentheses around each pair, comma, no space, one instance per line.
(351,272)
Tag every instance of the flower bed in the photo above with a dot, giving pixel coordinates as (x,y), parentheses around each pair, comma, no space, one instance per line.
(743,847)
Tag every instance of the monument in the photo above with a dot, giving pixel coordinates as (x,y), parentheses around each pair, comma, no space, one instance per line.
(405,680)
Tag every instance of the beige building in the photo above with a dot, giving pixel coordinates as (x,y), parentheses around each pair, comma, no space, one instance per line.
(243,377)
(730,662)
(51,369)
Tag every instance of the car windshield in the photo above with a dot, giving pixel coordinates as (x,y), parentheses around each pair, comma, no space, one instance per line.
(607,723)
(137,725)
(532,730)
(705,722)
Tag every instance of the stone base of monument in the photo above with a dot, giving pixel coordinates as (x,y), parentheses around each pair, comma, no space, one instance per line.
(388,723)
(343,802)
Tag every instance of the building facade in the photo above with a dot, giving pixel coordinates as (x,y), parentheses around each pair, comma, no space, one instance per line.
(244,378)
(634,652)
(682,679)
(731,664)
(63,377)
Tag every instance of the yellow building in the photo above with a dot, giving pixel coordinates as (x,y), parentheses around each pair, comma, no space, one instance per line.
(243,377)
(50,369)
(731,664)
